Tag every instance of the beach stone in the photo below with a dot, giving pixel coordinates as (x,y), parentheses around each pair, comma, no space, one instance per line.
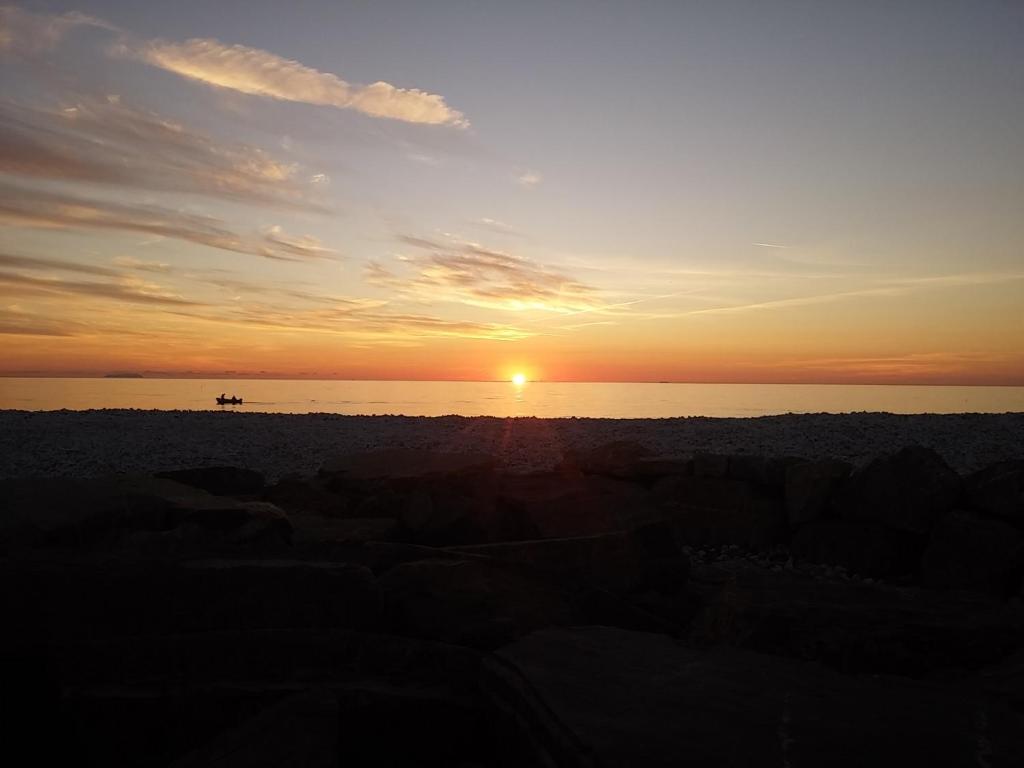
(220,481)
(302,730)
(908,490)
(620,562)
(998,491)
(809,486)
(710,510)
(474,602)
(609,697)
(966,552)
(616,459)
(867,548)
(853,627)
(567,505)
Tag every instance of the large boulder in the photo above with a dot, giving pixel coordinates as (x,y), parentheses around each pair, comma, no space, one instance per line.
(855,627)
(998,491)
(101,598)
(865,548)
(965,552)
(620,562)
(809,486)
(568,504)
(620,459)
(220,481)
(109,512)
(765,471)
(333,538)
(302,730)
(600,696)
(297,494)
(473,601)
(710,510)
(906,491)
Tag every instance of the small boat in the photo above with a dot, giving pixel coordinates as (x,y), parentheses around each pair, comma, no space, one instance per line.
(229,400)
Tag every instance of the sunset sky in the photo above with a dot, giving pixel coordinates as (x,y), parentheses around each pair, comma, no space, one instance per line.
(685,191)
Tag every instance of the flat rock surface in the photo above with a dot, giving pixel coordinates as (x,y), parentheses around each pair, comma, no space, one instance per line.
(599,696)
(92,443)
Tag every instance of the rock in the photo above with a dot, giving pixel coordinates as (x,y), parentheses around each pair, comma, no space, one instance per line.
(713,511)
(906,491)
(710,465)
(106,598)
(766,471)
(102,512)
(602,696)
(220,481)
(863,547)
(440,513)
(473,602)
(616,459)
(296,494)
(620,562)
(809,486)
(856,628)
(966,552)
(566,505)
(401,464)
(322,536)
(998,491)
(392,725)
(301,730)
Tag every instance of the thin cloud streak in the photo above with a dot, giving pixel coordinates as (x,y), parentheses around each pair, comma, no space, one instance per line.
(49,210)
(134,292)
(469,273)
(262,73)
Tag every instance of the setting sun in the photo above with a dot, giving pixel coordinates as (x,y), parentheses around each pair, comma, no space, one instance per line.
(519,379)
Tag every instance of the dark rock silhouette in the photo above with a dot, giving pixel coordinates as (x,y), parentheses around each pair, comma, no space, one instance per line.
(431,608)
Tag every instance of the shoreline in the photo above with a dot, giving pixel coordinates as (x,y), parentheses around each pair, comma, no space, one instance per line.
(102,442)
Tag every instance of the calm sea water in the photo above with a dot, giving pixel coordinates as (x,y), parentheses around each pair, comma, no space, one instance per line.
(544,399)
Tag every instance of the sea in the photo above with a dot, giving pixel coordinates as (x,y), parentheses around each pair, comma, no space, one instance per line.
(499,398)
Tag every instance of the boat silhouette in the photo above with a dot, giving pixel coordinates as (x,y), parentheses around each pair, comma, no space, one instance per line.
(229,400)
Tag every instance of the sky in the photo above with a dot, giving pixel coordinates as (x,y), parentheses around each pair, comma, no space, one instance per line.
(680,191)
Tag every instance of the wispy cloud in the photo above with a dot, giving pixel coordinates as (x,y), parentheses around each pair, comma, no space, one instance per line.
(19,323)
(470,273)
(529,179)
(25,32)
(895,286)
(133,291)
(109,142)
(34,263)
(262,73)
(38,208)
(770,245)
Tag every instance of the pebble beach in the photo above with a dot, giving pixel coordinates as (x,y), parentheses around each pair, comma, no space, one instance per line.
(103,442)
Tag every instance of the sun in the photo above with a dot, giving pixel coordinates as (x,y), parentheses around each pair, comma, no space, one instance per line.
(519,379)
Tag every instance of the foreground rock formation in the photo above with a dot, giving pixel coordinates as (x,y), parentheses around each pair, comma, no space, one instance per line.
(410,607)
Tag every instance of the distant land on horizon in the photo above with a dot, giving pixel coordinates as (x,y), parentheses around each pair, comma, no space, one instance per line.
(123,376)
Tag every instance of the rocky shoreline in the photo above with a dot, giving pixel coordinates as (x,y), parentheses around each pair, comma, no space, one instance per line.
(403,606)
(104,442)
